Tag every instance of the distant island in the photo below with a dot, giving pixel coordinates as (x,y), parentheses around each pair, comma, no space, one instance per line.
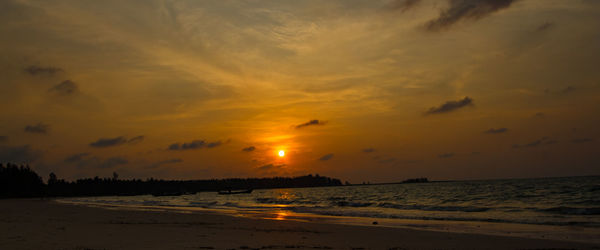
(21,181)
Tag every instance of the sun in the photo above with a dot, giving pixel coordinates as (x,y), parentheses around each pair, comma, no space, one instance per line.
(281,153)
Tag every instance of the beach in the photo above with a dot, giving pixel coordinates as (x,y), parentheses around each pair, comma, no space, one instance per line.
(47,224)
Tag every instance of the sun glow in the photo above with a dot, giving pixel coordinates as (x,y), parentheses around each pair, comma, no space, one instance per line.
(281,153)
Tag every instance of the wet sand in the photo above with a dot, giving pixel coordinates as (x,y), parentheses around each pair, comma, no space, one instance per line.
(46,224)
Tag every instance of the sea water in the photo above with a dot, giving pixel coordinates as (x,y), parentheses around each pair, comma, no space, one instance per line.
(566,204)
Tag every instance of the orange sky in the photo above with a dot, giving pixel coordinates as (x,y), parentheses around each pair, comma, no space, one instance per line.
(359,90)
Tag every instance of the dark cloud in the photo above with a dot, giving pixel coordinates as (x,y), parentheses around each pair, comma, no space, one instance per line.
(461,10)
(3,138)
(270,167)
(38,70)
(545,26)
(112,162)
(450,106)
(195,144)
(76,157)
(387,160)
(19,154)
(326,157)
(136,140)
(108,142)
(543,141)
(582,140)
(567,90)
(496,131)
(213,144)
(249,149)
(446,155)
(310,123)
(66,87)
(39,128)
(368,150)
(160,163)
(87,160)
(539,114)
(403,5)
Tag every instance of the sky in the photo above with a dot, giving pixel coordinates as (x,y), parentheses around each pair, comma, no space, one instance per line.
(376,91)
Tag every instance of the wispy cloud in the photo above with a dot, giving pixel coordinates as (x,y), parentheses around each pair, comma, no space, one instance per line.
(39,128)
(545,26)
(195,144)
(19,154)
(582,140)
(496,131)
(368,150)
(542,141)
(249,149)
(76,157)
(66,87)
(310,123)
(108,142)
(136,140)
(461,10)
(450,106)
(446,155)
(403,5)
(326,157)
(160,163)
(39,70)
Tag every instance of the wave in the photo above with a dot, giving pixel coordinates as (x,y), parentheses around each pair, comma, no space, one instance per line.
(371,214)
(434,208)
(572,210)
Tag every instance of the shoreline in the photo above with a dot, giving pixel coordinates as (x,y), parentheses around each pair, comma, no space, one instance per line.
(47,224)
(573,233)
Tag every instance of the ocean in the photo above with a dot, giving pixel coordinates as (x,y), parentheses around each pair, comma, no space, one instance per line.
(562,204)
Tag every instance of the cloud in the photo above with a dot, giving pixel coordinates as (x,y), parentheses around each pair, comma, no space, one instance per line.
(446,155)
(310,123)
(450,106)
(39,128)
(270,167)
(545,26)
(3,138)
(582,140)
(567,90)
(387,160)
(368,150)
(108,142)
(496,131)
(160,163)
(539,115)
(19,154)
(249,149)
(112,162)
(460,10)
(403,5)
(66,87)
(38,70)
(543,141)
(76,157)
(213,144)
(136,140)
(195,144)
(326,157)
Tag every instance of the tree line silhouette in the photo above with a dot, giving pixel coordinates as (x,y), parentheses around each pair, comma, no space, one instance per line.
(21,181)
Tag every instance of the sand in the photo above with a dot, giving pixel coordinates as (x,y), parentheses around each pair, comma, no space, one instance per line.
(46,224)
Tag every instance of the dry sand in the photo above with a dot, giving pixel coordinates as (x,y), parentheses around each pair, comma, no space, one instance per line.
(45,224)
